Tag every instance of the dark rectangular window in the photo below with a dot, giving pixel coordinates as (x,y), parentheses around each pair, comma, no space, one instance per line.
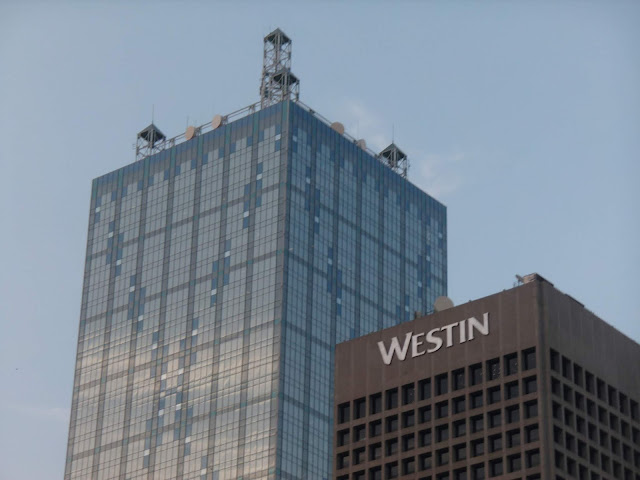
(531,409)
(493,369)
(391,446)
(613,397)
(532,458)
(391,424)
(635,410)
(567,393)
(477,448)
(457,379)
(477,423)
(493,395)
(602,394)
(424,437)
(512,414)
(495,443)
(458,404)
(408,419)
(358,456)
(442,409)
(477,471)
(391,398)
(460,428)
(513,438)
(475,374)
(408,393)
(359,408)
(460,474)
(442,432)
(408,442)
(514,462)
(511,364)
(589,382)
(343,460)
(343,437)
(391,470)
(494,418)
(459,452)
(424,461)
(529,359)
(375,403)
(554,358)
(566,367)
(442,456)
(495,467)
(408,466)
(529,385)
(511,390)
(424,389)
(568,417)
(375,473)
(532,433)
(424,414)
(359,433)
(556,387)
(442,384)
(375,451)
(577,374)
(343,412)
(475,399)
(375,428)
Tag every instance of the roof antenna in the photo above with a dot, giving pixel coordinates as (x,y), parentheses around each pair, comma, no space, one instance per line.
(278,82)
(153,111)
(393,133)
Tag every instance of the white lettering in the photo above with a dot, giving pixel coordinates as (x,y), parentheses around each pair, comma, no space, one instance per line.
(437,341)
(483,327)
(467,331)
(395,348)
(449,329)
(415,344)
(463,332)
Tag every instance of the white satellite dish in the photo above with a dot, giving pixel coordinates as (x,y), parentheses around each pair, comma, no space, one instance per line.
(190,133)
(442,303)
(362,144)
(338,127)
(216,122)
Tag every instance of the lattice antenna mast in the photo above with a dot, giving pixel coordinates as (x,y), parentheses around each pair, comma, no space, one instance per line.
(278,83)
(395,159)
(149,141)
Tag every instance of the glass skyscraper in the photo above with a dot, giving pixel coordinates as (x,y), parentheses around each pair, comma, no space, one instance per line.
(220,273)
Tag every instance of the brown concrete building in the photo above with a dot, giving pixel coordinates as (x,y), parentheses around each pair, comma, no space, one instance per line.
(524,384)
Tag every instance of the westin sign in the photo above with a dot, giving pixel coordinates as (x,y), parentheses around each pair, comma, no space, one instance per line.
(420,343)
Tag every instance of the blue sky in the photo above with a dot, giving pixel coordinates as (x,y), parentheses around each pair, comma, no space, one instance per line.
(522,117)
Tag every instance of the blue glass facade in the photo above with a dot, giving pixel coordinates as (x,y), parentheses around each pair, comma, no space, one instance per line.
(219,275)
(365,249)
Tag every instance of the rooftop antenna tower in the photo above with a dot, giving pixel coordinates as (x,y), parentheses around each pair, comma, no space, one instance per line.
(149,141)
(395,159)
(278,83)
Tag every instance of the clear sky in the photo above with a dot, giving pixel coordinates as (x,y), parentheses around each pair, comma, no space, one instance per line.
(522,117)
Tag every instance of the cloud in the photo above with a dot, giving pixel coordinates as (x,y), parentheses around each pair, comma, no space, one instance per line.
(439,174)
(361,122)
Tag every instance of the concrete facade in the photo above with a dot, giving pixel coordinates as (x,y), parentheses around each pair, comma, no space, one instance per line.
(544,389)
